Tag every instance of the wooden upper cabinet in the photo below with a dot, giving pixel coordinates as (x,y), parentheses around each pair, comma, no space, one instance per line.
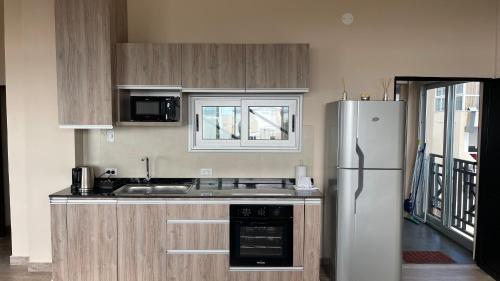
(213,66)
(86,34)
(277,66)
(149,64)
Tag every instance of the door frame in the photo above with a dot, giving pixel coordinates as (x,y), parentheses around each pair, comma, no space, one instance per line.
(436,80)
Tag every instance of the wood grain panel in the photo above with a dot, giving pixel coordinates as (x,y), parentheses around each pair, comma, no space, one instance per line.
(92,242)
(198,211)
(266,275)
(278,66)
(312,241)
(149,64)
(141,242)
(198,267)
(86,33)
(197,236)
(59,242)
(298,235)
(213,66)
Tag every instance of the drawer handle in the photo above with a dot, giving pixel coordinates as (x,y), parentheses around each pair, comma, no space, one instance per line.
(197,221)
(198,252)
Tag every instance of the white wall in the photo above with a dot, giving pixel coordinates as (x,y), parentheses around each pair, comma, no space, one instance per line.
(389,37)
(40,154)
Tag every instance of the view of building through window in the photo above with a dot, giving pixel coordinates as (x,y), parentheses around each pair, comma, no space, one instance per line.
(465,120)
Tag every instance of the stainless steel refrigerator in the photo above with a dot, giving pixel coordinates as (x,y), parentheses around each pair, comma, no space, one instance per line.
(364,197)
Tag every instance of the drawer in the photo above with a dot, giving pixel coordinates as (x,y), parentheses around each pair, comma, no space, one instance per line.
(198,211)
(198,267)
(266,275)
(197,235)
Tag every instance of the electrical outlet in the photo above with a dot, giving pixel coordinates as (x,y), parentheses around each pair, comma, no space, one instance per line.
(111,171)
(206,172)
(110,136)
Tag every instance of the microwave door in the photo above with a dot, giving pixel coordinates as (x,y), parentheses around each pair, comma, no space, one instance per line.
(146,109)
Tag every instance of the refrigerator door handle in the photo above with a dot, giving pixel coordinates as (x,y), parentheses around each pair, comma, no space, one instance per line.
(361,166)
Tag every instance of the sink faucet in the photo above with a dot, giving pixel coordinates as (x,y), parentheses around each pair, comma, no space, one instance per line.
(148,177)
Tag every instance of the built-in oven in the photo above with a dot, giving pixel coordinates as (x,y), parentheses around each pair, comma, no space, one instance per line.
(261,235)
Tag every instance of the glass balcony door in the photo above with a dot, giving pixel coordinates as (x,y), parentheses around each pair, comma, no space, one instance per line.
(451,122)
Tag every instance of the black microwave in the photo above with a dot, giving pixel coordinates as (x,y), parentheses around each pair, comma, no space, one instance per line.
(155,108)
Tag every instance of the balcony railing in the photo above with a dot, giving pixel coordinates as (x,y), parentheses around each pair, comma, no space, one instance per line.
(464,187)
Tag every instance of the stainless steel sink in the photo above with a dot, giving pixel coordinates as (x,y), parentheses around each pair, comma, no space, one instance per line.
(153,189)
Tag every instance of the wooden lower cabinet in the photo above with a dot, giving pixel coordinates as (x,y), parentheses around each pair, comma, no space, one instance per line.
(198,267)
(312,241)
(198,236)
(266,276)
(198,211)
(92,242)
(141,242)
(59,242)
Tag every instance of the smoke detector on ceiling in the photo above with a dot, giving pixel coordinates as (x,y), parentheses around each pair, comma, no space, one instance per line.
(347,18)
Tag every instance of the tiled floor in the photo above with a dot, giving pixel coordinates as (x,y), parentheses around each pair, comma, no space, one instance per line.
(424,238)
(16,273)
(410,272)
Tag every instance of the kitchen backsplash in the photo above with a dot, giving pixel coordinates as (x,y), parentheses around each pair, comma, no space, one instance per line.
(167,149)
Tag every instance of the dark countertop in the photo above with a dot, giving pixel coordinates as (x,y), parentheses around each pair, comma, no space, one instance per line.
(201,188)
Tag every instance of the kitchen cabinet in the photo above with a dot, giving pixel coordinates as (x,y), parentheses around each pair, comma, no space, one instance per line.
(198,242)
(198,235)
(141,241)
(298,235)
(312,240)
(149,64)
(175,240)
(198,267)
(59,242)
(213,66)
(198,211)
(277,66)
(92,241)
(86,34)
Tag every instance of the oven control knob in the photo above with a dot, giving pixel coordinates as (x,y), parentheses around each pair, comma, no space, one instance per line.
(261,212)
(246,212)
(276,212)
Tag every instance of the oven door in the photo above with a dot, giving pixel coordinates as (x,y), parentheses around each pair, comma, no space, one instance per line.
(146,108)
(261,242)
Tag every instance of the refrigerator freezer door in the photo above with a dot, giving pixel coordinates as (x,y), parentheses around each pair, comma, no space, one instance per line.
(378,221)
(380,134)
(347,132)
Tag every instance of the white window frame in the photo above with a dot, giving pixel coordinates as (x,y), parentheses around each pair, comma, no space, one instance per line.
(197,101)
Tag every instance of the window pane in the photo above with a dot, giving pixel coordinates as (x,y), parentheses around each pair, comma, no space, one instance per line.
(221,122)
(268,122)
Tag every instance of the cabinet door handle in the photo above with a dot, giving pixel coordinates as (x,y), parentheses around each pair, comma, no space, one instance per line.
(197,121)
(293,123)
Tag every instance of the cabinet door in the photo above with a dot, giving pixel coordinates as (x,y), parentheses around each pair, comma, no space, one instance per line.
(312,240)
(92,242)
(149,64)
(59,242)
(298,235)
(277,66)
(141,242)
(213,66)
(198,267)
(86,33)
